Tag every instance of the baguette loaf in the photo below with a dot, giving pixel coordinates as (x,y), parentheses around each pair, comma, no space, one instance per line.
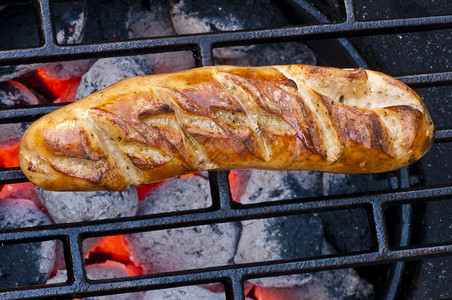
(294,117)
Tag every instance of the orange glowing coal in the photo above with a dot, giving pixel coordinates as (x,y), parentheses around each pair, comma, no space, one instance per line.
(9,155)
(115,249)
(63,89)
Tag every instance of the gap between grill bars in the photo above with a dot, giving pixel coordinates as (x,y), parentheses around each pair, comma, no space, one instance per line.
(223,208)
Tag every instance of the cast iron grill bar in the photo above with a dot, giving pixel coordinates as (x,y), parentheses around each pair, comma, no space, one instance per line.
(349,11)
(380,227)
(46,31)
(203,217)
(52,52)
(218,274)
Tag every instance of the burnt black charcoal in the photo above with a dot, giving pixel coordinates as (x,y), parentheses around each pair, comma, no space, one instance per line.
(107,20)
(107,71)
(407,53)
(347,230)
(18,27)
(24,264)
(389,9)
(271,54)
(441,114)
(190,16)
(70,19)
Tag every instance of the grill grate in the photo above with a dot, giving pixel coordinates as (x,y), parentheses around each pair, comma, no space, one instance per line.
(223,209)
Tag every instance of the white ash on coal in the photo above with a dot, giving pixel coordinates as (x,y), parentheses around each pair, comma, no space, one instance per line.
(23,190)
(107,71)
(154,20)
(67,69)
(27,263)
(184,293)
(286,237)
(186,193)
(254,186)
(182,248)
(70,19)
(13,93)
(68,207)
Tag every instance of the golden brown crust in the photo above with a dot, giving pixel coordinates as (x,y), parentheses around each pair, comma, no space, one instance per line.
(295,117)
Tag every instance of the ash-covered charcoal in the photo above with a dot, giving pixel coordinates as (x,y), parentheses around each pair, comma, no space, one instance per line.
(70,19)
(340,284)
(184,293)
(107,71)
(13,93)
(109,269)
(185,193)
(287,237)
(68,207)
(254,186)
(189,16)
(28,263)
(23,190)
(182,248)
(271,54)
(67,69)
(9,72)
(152,21)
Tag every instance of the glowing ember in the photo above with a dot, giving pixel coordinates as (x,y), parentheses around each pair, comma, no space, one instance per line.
(115,248)
(144,189)
(9,155)
(63,89)
(238,180)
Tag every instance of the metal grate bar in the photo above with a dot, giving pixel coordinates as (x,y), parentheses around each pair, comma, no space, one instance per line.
(52,52)
(158,222)
(443,135)
(255,270)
